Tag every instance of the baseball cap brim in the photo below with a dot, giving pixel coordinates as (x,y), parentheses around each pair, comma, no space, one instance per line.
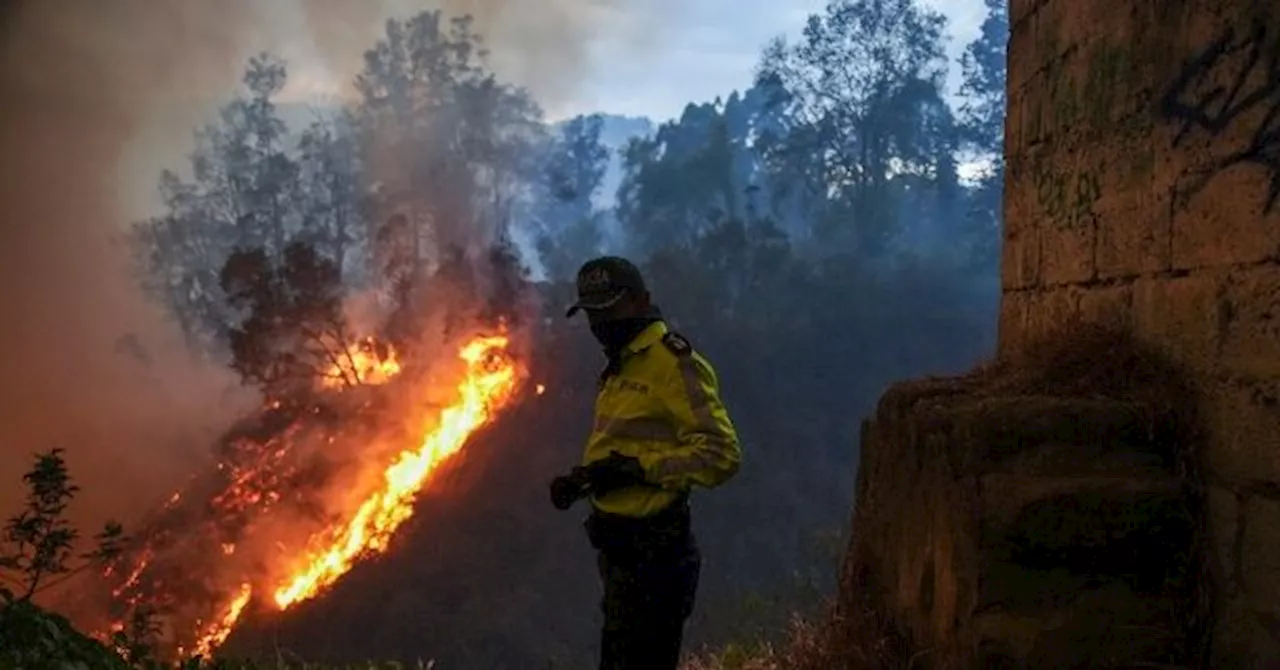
(603,303)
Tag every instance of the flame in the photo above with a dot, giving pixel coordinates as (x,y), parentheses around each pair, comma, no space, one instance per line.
(257,477)
(366,362)
(489,384)
(216,633)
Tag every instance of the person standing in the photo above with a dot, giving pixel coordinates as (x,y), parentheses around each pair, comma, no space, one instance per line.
(660,430)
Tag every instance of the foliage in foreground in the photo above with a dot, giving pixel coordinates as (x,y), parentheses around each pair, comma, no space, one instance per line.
(36,552)
(37,639)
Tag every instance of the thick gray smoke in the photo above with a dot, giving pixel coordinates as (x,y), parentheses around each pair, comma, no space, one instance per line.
(88,365)
(540,44)
(99,95)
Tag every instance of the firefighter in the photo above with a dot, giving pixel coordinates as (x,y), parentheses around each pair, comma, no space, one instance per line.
(660,430)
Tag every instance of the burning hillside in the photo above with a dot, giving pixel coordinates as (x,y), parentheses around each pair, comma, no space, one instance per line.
(302,493)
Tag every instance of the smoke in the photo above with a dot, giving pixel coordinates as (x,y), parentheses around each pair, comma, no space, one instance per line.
(543,46)
(89,365)
(100,95)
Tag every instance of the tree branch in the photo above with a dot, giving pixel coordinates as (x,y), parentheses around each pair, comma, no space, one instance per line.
(328,354)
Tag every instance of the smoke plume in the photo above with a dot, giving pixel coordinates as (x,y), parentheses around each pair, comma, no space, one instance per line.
(541,45)
(99,96)
(89,365)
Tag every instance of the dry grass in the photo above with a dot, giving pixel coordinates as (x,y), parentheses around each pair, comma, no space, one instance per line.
(823,643)
(806,648)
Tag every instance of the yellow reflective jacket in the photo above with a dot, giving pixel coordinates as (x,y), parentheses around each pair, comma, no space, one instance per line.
(662,407)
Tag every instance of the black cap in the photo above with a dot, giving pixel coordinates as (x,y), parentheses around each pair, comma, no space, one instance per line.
(603,281)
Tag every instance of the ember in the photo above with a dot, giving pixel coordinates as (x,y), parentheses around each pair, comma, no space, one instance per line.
(264,477)
(368,362)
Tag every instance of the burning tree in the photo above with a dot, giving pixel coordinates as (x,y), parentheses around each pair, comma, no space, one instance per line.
(294,334)
(319,478)
(408,197)
(296,502)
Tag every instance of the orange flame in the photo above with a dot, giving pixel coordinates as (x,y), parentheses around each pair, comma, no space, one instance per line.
(488,385)
(216,633)
(366,362)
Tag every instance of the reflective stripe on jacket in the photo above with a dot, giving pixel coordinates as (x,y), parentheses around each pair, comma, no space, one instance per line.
(662,407)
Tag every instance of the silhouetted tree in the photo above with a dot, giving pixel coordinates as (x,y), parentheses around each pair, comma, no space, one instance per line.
(983,112)
(332,191)
(293,333)
(859,91)
(38,542)
(566,218)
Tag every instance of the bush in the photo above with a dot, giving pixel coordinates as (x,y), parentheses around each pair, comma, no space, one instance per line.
(36,554)
(33,638)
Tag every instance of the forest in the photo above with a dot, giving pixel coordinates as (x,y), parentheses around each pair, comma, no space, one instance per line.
(829,230)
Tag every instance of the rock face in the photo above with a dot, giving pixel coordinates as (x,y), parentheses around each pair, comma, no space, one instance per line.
(1018,529)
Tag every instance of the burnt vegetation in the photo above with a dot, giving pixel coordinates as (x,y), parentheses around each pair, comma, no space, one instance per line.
(831,228)
(293,331)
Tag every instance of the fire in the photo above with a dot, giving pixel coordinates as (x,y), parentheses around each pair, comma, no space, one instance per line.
(487,385)
(366,362)
(216,633)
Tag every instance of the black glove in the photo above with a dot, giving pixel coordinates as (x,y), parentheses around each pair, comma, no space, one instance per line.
(568,489)
(615,472)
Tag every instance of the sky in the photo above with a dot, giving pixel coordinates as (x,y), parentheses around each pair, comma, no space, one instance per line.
(711,48)
(638,57)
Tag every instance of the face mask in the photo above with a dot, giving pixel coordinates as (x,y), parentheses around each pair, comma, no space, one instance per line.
(618,333)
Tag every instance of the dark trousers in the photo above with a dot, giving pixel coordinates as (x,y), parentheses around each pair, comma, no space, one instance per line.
(649,569)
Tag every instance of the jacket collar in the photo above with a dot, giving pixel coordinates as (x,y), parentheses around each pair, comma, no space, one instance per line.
(651,335)
(647,337)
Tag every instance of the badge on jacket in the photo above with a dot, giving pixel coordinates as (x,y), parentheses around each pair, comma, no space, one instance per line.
(677,344)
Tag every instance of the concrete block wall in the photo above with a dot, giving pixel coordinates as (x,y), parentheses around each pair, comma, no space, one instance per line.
(1143,189)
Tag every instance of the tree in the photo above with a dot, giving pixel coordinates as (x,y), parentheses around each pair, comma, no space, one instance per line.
(448,145)
(678,183)
(293,334)
(564,211)
(176,257)
(854,92)
(243,192)
(576,165)
(982,114)
(38,542)
(983,90)
(331,189)
(269,217)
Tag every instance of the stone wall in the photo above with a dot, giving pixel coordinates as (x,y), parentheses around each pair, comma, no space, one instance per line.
(1015,518)
(1044,526)
(1143,190)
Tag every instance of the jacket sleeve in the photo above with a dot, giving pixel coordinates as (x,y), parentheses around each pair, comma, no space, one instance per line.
(707,452)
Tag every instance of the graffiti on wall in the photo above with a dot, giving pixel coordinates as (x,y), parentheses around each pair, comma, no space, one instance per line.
(1233,85)
(1068,198)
